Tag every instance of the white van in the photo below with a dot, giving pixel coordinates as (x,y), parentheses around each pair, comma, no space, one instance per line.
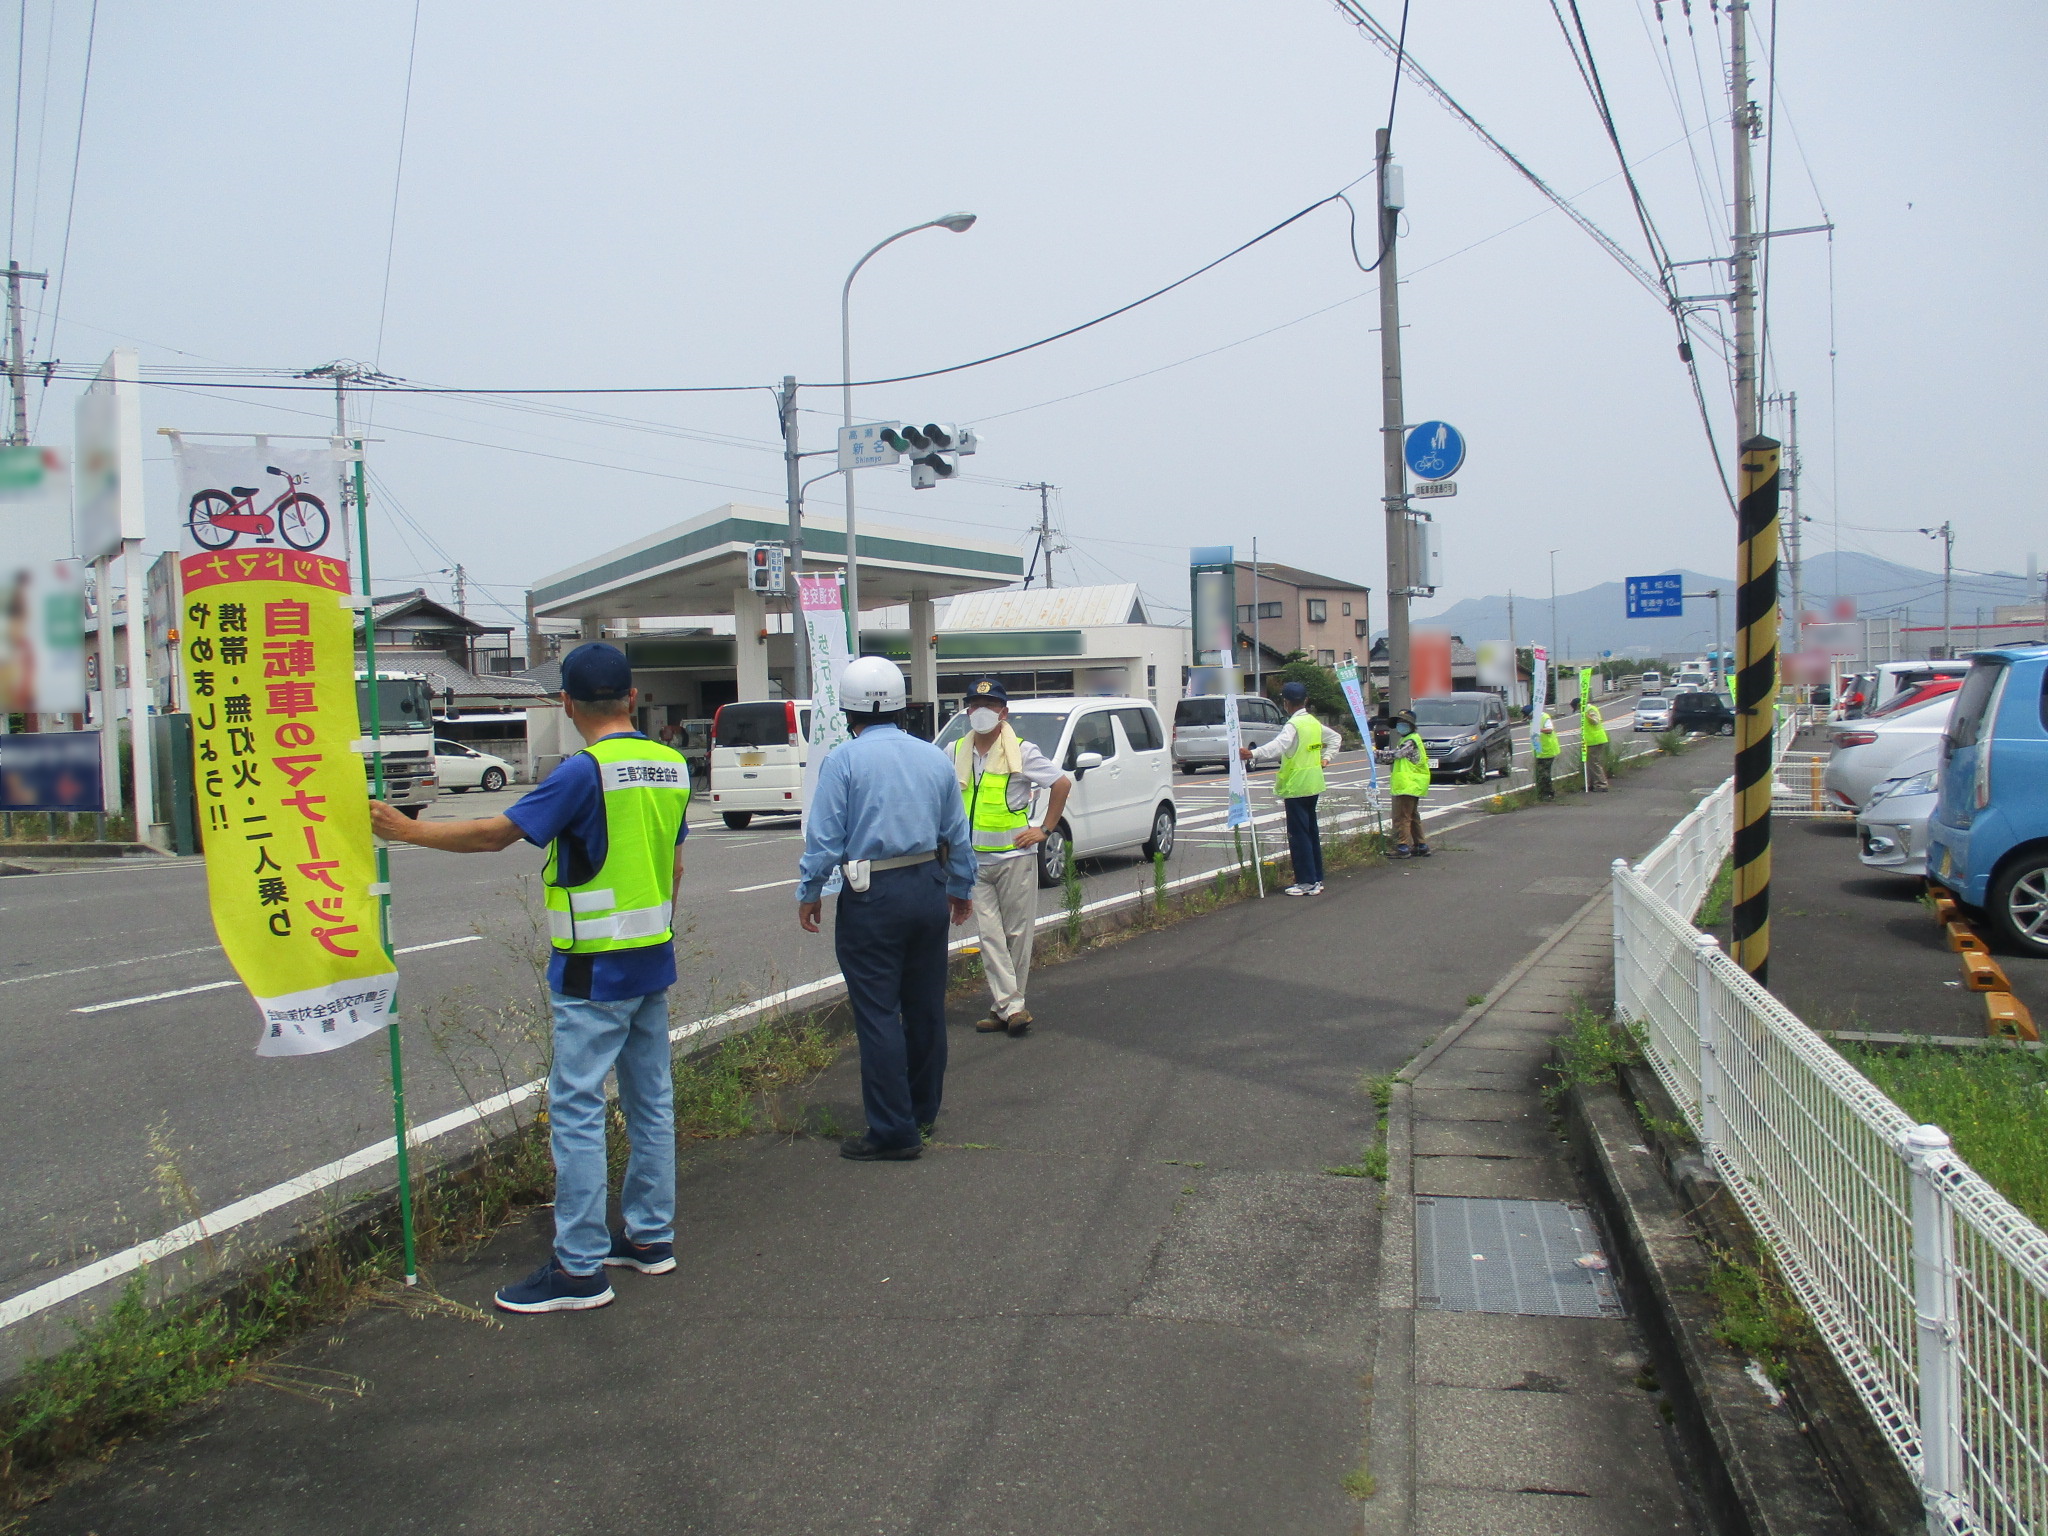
(1123,776)
(758,752)
(1652,680)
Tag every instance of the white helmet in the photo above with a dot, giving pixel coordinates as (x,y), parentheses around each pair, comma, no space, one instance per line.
(872,685)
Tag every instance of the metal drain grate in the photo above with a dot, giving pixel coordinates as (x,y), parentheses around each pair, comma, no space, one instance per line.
(1520,1256)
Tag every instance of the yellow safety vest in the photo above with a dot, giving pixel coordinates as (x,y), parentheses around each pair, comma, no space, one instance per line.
(987,799)
(1594,729)
(1301,771)
(625,904)
(1409,775)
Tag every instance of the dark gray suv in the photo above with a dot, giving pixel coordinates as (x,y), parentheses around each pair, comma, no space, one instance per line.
(1467,734)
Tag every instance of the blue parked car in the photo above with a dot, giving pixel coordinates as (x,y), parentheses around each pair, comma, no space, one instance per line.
(1988,837)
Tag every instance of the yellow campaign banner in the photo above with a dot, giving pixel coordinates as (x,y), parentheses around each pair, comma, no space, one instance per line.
(268,652)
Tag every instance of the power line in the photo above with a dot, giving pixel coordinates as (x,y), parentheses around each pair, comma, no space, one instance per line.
(397,182)
(92,28)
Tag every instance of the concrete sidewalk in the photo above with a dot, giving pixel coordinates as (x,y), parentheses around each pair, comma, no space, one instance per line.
(1122,1295)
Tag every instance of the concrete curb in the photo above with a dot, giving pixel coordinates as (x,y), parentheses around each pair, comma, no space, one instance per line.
(1757,1471)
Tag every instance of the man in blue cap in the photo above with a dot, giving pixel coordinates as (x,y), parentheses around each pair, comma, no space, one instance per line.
(1303,749)
(612,820)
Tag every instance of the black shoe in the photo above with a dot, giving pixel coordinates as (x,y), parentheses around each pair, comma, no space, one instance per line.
(862,1149)
(1422,850)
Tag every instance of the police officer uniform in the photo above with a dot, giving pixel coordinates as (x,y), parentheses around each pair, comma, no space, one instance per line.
(886,814)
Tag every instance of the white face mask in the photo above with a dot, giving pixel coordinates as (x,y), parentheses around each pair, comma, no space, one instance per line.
(983,720)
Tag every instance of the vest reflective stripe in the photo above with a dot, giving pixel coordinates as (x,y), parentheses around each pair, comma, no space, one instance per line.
(986,797)
(1594,727)
(1408,776)
(1301,771)
(626,903)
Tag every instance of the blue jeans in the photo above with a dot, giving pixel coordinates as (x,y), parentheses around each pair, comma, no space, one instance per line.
(891,944)
(590,1040)
(1304,839)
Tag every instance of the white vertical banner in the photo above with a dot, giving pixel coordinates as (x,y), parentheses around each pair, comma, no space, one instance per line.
(1539,691)
(1354,695)
(1240,813)
(825,626)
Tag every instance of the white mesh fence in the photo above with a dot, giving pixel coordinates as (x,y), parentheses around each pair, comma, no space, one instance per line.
(1928,1286)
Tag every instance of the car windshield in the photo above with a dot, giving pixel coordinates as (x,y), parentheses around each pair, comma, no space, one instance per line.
(1448,712)
(1650,701)
(1041,728)
(753,725)
(1918,694)
(1198,712)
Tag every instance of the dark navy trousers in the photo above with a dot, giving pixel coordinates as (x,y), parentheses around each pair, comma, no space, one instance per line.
(891,944)
(1304,839)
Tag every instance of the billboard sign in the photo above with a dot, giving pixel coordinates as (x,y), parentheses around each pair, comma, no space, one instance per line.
(109,447)
(51,771)
(1212,602)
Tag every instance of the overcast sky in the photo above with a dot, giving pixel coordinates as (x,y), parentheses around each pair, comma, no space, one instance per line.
(671,194)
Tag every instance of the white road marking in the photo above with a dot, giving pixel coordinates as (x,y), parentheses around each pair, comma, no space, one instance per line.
(107,965)
(741,890)
(215,986)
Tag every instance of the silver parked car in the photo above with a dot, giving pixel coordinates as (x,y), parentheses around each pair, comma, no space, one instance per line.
(1198,733)
(1867,752)
(1653,713)
(1891,832)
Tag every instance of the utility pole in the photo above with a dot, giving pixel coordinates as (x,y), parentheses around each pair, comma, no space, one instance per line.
(1045,540)
(1793,520)
(1556,656)
(17,369)
(1748,423)
(1258,660)
(1393,426)
(1947,534)
(1514,655)
(793,564)
(461,591)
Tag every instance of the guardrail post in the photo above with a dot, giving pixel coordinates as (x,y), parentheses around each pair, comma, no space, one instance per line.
(1707,1026)
(1927,1153)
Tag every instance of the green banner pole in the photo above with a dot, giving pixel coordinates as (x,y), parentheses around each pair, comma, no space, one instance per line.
(376,723)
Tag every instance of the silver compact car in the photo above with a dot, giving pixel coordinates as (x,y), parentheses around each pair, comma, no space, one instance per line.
(1891,831)
(1653,713)
(1199,739)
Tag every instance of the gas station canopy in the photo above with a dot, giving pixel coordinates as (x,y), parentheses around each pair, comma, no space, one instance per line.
(694,568)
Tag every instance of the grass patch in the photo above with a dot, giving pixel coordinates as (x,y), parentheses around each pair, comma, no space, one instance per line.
(1755,1313)
(1359,1483)
(1992,1100)
(1714,905)
(1372,1163)
(1592,1050)
(727,1090)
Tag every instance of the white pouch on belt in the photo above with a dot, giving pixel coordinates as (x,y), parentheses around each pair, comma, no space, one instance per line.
(856,874)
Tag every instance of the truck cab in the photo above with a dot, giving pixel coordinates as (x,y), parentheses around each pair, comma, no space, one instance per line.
(1987,840)
(405,725)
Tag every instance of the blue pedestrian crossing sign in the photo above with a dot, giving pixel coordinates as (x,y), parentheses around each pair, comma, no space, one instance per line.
(1656,597)
(1435,450)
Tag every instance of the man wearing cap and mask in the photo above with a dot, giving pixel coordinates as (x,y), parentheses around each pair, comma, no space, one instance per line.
(887,814)
(998,773)
(1407,784)
(1303,749)
(612,820)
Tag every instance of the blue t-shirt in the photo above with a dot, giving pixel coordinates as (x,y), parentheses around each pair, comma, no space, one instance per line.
(569,806)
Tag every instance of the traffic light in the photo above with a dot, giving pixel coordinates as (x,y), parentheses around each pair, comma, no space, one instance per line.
(764,568)
(934,450)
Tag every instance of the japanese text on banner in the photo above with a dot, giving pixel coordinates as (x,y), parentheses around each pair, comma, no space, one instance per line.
(268,653)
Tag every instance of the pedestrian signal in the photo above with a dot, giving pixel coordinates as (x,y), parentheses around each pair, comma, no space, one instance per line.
(765,568)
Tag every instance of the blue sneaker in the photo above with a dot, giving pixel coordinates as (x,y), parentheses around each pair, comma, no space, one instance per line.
(648,1258)
(552,1288)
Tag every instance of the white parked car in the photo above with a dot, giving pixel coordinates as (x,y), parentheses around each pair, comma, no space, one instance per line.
(1116,753)
(1891,831)
(1653,713)
(463,768)
(1867,752)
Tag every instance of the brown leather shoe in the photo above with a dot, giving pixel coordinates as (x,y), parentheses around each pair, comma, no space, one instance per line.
(1019,1022)
(992,1025)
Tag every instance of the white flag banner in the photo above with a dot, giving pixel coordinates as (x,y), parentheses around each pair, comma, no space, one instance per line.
(1539,691)
(1354,695)
(1240,814)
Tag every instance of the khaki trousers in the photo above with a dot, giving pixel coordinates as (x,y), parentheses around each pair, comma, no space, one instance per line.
(1006,914)
(1408,819)
(1596,767)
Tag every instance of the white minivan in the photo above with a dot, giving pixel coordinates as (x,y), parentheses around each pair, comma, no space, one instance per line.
(758,752)
(1123,776)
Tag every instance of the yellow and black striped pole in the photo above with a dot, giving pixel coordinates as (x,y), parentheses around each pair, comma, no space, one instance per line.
(1756,690)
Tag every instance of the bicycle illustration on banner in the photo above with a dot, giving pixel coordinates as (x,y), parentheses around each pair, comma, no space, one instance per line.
(218,518)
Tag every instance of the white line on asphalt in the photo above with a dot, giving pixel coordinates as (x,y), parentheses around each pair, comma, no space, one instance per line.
(107,965)
(215,986)
(54,1292)
(741,890)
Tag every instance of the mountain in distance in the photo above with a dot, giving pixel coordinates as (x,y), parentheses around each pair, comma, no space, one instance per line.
(1596,619)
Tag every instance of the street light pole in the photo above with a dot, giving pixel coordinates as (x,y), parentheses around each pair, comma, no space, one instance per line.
(1555,657)
(1947,534)
(958,223)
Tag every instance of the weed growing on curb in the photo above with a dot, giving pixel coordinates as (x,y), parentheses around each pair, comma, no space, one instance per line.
(1591,1050)
(1756,1314)
(1714,905)
(1671,743)
(1359,1483)
(1071,898)
(1373,1163)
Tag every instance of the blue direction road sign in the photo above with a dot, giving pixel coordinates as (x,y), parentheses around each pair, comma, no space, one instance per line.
(1656,597)
(1435,450)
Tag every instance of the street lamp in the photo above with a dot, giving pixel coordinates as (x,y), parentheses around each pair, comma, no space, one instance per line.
(958,223)
(1555,659)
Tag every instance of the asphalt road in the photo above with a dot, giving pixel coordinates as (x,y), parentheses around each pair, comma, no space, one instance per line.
(127,1051)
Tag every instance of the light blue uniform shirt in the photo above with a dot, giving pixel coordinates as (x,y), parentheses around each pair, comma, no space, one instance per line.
(884,795)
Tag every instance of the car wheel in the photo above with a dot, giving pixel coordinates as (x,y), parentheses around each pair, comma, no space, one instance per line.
(1726,728)
(494,778)
(739,821)
(1053,854)
(1160,844)
(2018,903)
